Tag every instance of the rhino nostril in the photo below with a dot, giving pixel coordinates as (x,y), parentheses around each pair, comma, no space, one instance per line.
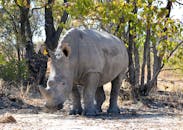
(63,83)
(50,83)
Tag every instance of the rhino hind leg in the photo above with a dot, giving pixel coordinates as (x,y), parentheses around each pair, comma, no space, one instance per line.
(100,98)
(91,84)
(76,99)
(113,106)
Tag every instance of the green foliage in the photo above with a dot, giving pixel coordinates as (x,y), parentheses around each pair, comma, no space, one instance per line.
(2,59)
(13,70)
(176,60)
(21,2)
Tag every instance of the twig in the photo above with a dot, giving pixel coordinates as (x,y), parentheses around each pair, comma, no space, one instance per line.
(179,2)
(167,69)
(174,50)
(37,8)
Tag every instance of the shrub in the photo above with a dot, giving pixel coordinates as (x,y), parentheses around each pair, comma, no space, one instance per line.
(13,70)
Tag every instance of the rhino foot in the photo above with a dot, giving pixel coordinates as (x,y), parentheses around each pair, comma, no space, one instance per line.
(91,112)
(76,111)
(99,110)
(113,110)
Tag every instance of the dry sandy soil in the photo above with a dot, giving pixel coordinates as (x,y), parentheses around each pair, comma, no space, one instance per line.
(43,121)
(161,112)
(141,116)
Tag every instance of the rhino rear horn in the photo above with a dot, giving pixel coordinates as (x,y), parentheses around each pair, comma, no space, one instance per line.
(44,92)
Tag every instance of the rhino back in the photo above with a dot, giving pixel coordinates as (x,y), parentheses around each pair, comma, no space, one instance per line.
(100,52)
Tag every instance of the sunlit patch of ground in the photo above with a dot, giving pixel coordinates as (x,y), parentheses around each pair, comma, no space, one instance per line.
(43,121)
(170,81)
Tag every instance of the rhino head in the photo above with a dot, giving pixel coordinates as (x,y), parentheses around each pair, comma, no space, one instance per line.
(59,84)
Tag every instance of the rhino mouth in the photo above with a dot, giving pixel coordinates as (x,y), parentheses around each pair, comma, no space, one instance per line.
(58,107)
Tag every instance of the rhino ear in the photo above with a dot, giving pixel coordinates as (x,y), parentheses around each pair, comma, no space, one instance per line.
(66,49)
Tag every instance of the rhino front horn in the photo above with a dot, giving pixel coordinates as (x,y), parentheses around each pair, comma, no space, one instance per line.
(44,92)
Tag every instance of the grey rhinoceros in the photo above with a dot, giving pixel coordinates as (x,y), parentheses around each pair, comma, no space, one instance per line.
(89,58)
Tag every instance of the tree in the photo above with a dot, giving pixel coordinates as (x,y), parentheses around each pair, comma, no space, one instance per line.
(18,14)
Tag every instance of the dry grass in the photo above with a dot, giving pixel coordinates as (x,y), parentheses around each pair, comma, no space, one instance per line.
(170,81)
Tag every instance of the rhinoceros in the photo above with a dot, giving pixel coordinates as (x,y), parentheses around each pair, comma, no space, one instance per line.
(89,58)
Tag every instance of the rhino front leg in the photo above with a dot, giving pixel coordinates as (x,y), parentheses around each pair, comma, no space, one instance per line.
(76,101)
(113,106)
(100,98)
(91,84)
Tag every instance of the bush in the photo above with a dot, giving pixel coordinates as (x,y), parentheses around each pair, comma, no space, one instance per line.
(13,70)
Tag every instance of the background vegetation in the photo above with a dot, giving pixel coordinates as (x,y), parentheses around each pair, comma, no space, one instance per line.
(153,38)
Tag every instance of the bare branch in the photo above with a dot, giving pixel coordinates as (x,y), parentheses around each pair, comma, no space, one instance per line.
(178,2)
(174,50)
(170,69)
(63,20)
(66,4)
(37,8)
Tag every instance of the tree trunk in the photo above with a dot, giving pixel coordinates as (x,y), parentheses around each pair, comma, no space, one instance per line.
(148,55)
(157,64)
(137,65)
(130,54)
(143,64)
(26,33)
(146,60)
(53,35)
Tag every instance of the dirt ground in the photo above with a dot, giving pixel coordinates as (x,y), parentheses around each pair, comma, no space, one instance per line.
(43,121)
(155,114)
(160,111)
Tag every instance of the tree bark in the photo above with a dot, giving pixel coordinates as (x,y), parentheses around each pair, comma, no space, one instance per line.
(143,64)
(53,35)
(148,55)
(135,51)
(157,64)
(130,55)
(137,65)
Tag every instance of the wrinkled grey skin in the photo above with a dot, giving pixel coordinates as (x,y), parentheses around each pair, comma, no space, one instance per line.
(88,58)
